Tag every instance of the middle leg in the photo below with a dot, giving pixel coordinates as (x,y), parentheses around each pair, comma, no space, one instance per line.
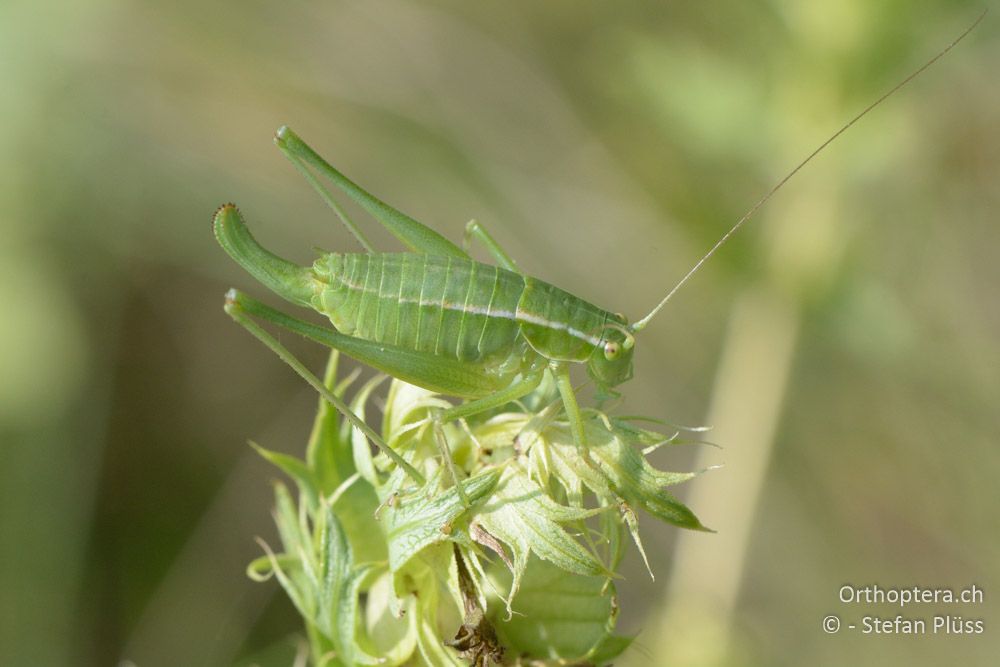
(560,371)
(474,230)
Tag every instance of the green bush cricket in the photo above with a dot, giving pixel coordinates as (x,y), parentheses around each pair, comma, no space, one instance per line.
(438,319)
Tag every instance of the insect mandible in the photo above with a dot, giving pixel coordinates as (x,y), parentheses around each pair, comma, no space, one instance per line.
(438,319)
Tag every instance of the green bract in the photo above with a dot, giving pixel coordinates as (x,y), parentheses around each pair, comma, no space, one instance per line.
(385,571)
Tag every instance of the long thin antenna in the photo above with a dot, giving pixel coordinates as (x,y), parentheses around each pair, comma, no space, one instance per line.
(753,209)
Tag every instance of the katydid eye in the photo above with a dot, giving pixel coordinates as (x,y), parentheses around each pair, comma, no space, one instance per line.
(611,350)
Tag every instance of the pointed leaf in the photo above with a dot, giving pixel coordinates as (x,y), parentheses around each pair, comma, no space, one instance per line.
(363,459)
(328,454)
(523,517)
(429,516)
(339,586)
(294,468)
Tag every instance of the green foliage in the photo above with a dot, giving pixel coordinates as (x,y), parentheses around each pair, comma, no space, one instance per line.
(520,564)
(564,616)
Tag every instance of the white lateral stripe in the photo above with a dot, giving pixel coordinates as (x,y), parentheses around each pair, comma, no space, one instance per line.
(558,326)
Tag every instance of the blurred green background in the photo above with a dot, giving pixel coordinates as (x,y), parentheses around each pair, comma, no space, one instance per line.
(844,345)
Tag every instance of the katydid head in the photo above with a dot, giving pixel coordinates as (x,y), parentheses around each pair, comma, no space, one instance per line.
(610,364)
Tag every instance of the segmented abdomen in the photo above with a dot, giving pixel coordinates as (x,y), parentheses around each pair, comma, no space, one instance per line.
(445,306)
